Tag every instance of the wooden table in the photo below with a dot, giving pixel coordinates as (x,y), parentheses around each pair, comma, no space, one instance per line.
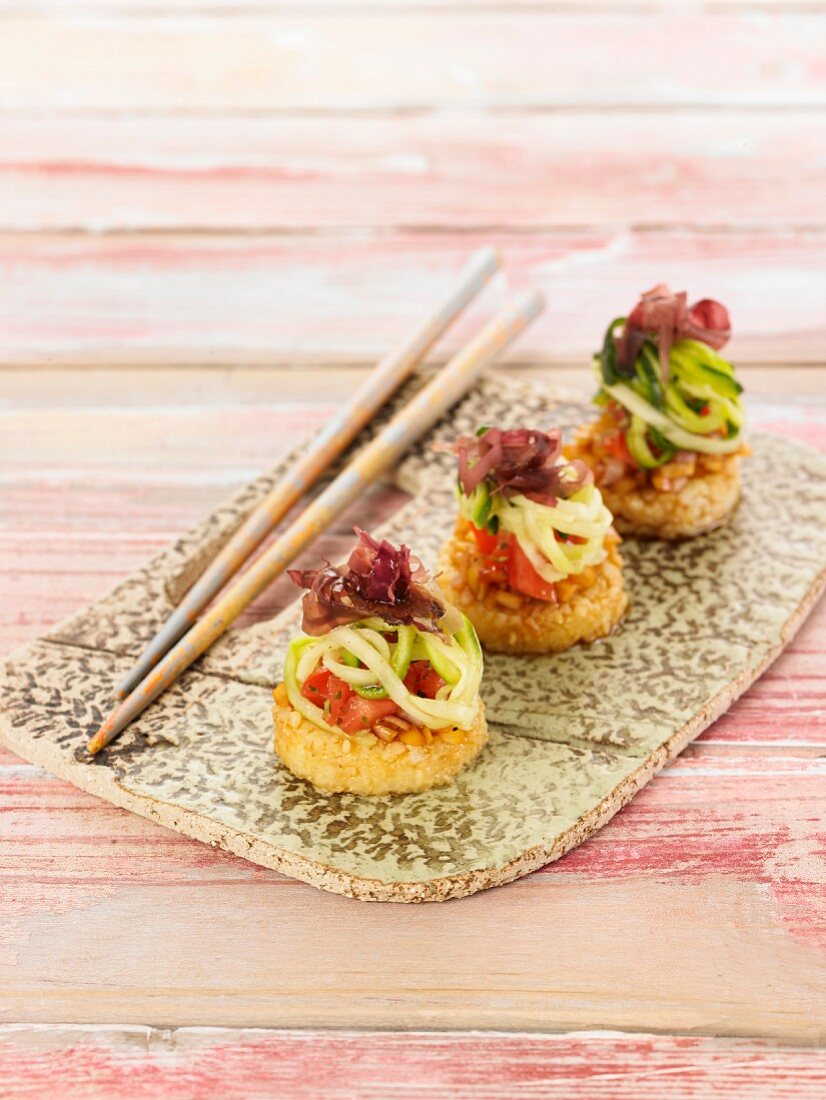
(211,221)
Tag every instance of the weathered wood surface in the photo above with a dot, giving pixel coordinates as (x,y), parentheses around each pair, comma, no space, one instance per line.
(725,841)
(526,171)
(529,801)
(710,870)
(594,7)
(330,217)
(248,1064)
(409,60)
(229,299)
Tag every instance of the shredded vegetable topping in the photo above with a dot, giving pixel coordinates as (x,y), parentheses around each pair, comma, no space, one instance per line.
(532,495)
(559,540)
(661,366)
(374,659)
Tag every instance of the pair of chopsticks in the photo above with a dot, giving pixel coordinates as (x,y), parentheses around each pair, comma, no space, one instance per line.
(184,637)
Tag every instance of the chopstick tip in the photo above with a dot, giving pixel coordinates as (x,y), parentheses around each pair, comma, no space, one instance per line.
(102,738)
(485,261)
(532,302)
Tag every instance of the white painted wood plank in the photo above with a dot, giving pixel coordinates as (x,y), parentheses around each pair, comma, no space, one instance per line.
(411,60)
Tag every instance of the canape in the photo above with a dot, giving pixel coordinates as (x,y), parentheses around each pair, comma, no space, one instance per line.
(381,691)
(666,449)
(533,560)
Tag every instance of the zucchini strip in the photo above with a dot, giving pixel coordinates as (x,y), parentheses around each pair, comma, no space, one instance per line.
(684,440)
(383,675)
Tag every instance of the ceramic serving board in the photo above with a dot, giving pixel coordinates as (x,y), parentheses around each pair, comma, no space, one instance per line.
(574,736)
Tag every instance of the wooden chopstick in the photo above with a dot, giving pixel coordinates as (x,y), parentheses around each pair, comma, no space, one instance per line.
(374,459)
(331,441)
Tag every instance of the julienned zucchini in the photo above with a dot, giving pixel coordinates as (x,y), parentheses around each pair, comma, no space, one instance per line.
(440,662)
(399,662)
(480,506)
(468,640)
(659,440)
(608,354)
(410,645)
(679,437)
(639,448)
(647,368)
(730,406)
(685,417)
(298,702)
(695,362)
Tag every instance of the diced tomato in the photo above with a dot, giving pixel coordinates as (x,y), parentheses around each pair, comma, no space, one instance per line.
(338,695)
(327,691)
(705,410)
(359,714)
(522,577)
(616,444)
(423,679)
(316,685)
(575,540)
(493,550)
(486,542)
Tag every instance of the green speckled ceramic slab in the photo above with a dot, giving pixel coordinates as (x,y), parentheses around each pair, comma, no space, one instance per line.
(573,736)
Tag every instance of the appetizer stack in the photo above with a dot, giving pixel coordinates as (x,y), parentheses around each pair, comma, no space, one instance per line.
(381,694)
(533,560)
(666,450)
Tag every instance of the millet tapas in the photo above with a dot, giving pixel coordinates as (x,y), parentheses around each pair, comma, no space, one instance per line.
(533,560)
(666,449)
(381,691)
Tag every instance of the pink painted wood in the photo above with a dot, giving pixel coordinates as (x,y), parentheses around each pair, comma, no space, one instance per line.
(225,299)
(722,809)
(354,1066)
(205,185)
(729,833)
(705,168)
(587,6)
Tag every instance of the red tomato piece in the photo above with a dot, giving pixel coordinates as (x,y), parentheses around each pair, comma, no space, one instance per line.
(316,685)
(359,714)
(486,542)
(423,679)
(617,445)
(522,577)
(327,691)
(339,693)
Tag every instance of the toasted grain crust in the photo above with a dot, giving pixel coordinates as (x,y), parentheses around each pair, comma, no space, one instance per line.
(705,502)
(537,626)
(362,764)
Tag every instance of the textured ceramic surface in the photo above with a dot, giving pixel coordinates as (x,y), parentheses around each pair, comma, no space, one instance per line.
(574,736)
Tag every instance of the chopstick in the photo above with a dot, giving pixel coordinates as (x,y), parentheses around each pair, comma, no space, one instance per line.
(377,456)
(331,441)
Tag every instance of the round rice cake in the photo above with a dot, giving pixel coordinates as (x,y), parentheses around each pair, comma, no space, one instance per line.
(705,502)
(363,764)
(584,614)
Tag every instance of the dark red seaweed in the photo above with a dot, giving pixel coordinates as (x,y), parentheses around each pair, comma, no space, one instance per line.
(378,579)
(519,461)
(667,316)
